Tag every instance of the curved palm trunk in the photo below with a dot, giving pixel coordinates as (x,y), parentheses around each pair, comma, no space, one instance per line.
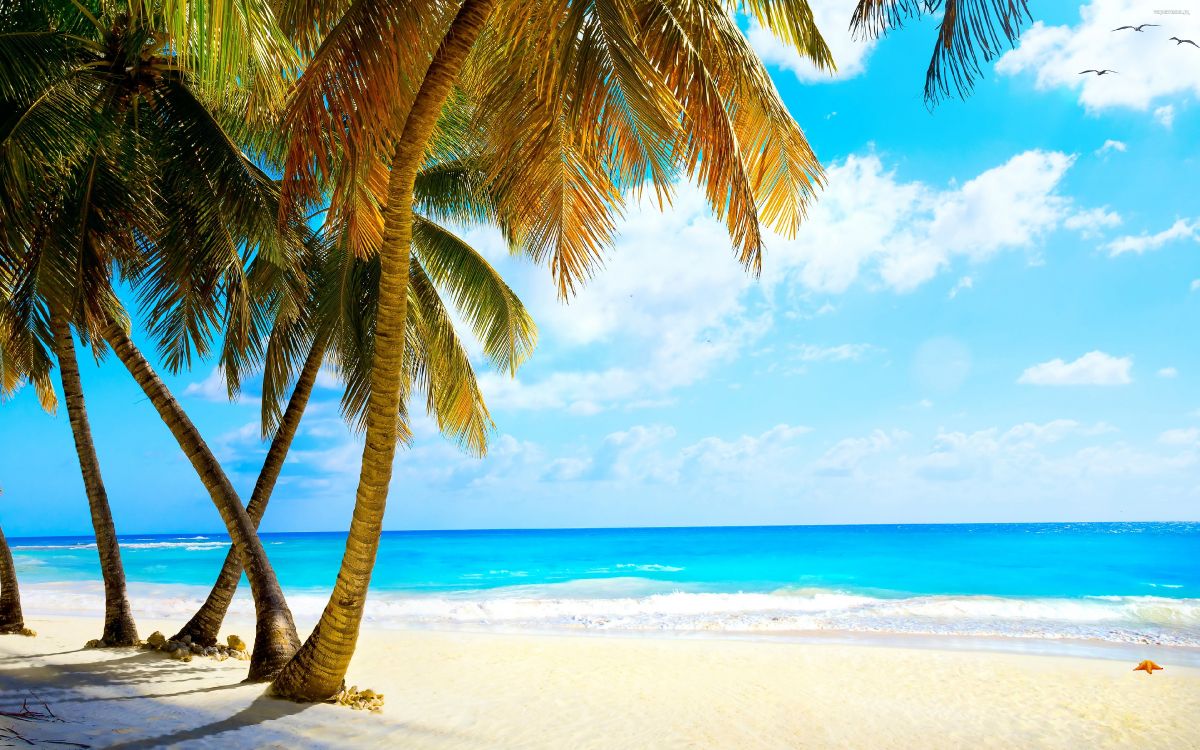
(119,629)
(11,619)
(319,668)
(275,638)
(205,625)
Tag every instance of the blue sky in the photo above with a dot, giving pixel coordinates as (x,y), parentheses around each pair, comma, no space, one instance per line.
(989,315)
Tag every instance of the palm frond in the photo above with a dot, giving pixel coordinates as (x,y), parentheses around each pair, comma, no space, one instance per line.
(478,292)
(792,22)
(444,372)
(970,33)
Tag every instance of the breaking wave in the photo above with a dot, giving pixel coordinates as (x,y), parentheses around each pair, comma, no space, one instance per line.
(625,606)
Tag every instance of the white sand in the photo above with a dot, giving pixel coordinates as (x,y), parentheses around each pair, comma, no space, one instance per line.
(468,690)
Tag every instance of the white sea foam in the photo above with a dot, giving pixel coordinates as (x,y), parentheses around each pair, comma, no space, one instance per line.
(189,545)
(1129,619)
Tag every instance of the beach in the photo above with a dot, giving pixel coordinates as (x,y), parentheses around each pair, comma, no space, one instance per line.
(458,689)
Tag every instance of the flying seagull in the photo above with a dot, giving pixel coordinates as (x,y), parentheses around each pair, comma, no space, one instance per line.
(1179,41)
(1097,72)
(1135,28)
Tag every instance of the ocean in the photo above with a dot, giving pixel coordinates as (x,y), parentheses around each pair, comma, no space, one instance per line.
(1118,582)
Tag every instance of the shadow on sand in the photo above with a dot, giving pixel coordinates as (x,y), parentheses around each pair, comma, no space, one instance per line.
(262,708)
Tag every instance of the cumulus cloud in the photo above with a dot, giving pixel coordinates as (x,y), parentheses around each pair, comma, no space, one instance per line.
(1093,368)
(846,455)
(904,233)
(678,304)
(1165,115)
(1182,229)
(1111,145)
(1093,222)
(667,308)
(1168,372)
(212,388)
(833,19)
(1150,68)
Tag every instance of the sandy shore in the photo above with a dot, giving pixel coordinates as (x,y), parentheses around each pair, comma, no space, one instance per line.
(470,690)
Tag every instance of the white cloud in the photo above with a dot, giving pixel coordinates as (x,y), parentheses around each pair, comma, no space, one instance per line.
(1150,68)
(833,19)
(907,232)
(1195,285)
(212,388)
(846,455)
(747,454)
(666,309)
(1168,372)
(966,282)
(1093,222)
(839,353)
(1165,115)
(1182,229)
(672,304)
(1188,436)
(1111,145)
(1093,368)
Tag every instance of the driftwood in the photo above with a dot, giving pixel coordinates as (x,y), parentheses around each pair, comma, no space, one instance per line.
(10,737)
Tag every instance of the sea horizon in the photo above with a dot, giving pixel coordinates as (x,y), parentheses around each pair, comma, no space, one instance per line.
(1115,582)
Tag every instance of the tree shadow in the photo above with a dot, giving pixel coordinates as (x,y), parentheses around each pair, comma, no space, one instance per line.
(144,667)
(261,709)
(140,696)
(23,657)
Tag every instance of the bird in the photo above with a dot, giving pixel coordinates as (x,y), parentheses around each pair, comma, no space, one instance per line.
(1146,666)
(1135,28)
(1179,41)
(1097,72)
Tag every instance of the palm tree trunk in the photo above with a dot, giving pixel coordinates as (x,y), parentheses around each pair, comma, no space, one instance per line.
(318,670)
(11,619)
(205,625)
(275,638)
(119,629)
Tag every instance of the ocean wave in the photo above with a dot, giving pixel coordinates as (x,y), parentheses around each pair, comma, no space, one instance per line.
(1117,619)
(190,546)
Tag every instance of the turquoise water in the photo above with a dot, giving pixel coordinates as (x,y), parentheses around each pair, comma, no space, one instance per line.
(1128,582)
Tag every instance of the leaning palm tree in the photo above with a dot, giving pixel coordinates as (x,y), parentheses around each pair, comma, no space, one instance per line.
(332,325)
(114,141)
(577,103)
(970,32)
(11,619)
(18,366)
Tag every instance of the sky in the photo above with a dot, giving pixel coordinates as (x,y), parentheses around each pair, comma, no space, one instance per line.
(989,315)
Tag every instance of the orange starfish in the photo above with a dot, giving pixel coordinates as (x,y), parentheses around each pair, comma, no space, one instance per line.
(1146,666)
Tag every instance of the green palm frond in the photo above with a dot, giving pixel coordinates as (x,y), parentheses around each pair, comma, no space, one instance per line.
(444,372)
(478,292)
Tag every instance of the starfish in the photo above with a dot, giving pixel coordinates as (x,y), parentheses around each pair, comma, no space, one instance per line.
(1146,666)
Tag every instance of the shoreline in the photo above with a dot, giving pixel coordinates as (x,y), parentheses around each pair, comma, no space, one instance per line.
(1081,648)
(456,689)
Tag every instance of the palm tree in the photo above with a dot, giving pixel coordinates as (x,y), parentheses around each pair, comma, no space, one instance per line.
(331,324)
(119,628)
(18,366)
(117,156)
(969,32)
(11,618)
(577,103)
